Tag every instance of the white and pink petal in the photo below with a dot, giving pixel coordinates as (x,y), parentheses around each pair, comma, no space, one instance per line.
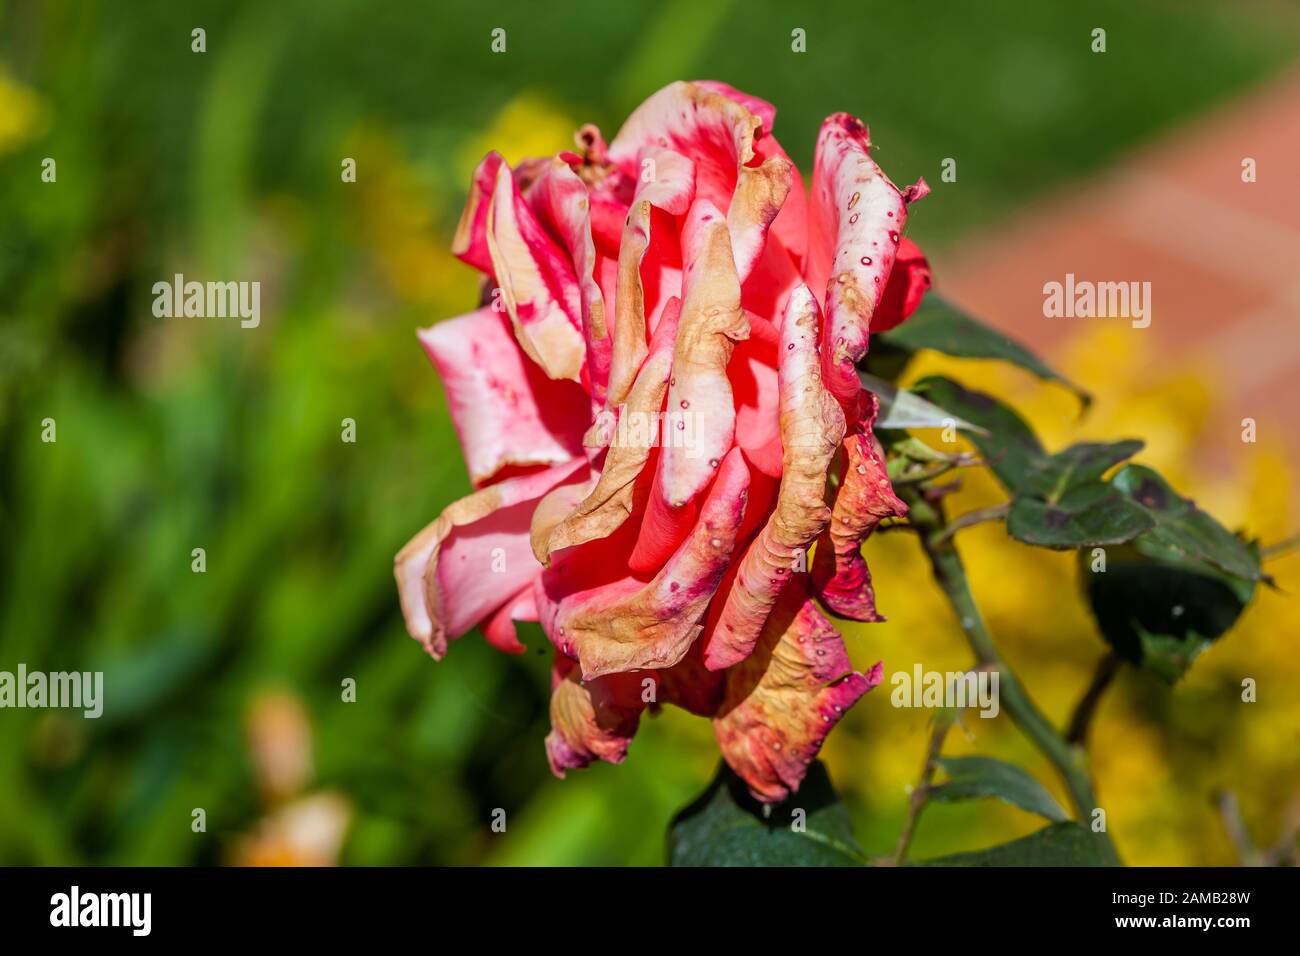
(472,558)
(505,410)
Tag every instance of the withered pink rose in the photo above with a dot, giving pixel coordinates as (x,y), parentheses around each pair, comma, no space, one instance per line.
(652,402)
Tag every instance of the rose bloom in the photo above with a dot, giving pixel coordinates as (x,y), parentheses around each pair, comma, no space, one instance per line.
(659,406)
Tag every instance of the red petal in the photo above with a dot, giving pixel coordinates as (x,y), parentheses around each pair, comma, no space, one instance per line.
(908,283)
(865,497)
(500,627)
(470,242)
(757,403)
(663,529)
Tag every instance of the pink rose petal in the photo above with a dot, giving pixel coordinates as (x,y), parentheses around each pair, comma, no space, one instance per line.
(506,411)
(717,133)
(538,284)
(855,228)
(472,558)
(629,625)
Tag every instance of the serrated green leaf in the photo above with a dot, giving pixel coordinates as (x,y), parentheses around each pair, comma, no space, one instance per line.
(940,326)
(1017,458)
(1058,501)
(973,778)
(1077,465)
(725,826)
(1182,531)
(1061,844)
(1086,516)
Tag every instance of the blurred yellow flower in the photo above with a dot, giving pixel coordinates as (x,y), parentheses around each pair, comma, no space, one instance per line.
(403,219)
(528,125)
(22,113)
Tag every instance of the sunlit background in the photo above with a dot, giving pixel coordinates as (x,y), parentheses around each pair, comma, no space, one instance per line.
(223,688)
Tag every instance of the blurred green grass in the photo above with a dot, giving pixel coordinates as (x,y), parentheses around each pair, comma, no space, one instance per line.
(175,434)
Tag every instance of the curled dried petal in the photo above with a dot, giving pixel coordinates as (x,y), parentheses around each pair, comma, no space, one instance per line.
(537,281)
(812,426)
(865,497)
(782,701)
(665,180)
(701,414)
(608,505)
(560,199)
(555,506)
(596,719)
(629,625)
(590,719)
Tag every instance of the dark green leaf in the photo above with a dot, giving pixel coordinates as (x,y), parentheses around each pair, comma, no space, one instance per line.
(1160,613)
(1058,501)
(1009,445)
(972,778)
(1061,844)
(1054,475)
(885,360)
(728,827)
(1182,531)
(1014,452)
(940,326)
(1170,656)
(1086,516)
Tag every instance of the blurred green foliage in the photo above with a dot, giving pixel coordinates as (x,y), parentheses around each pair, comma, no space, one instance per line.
(175,434)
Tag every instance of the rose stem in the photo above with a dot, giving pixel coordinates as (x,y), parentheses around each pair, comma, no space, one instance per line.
(927,517)
(921,792)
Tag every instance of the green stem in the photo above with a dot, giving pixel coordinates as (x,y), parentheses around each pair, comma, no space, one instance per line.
(921,792)
(972,518)
(927,517)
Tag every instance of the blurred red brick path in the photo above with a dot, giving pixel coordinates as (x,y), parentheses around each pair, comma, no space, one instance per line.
(1222,255)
